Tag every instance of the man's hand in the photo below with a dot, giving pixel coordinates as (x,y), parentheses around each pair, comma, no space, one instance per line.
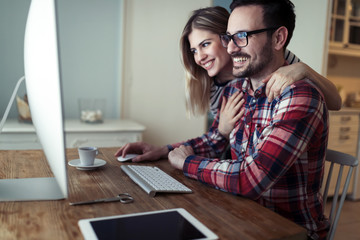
(146,151)
(178,155)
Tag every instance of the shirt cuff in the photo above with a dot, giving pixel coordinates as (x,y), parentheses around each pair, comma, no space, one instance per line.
(191,166)
(170,148)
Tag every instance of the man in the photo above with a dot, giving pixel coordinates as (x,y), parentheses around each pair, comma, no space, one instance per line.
(278,148)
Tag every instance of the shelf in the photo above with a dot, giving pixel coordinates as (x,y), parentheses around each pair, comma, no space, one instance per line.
(344,51)
(110,133)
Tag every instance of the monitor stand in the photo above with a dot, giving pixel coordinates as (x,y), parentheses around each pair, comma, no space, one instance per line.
(30,189)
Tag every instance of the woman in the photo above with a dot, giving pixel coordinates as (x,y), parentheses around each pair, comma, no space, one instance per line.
(209,69)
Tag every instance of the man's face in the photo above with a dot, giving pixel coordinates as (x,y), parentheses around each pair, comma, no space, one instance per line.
(249,61)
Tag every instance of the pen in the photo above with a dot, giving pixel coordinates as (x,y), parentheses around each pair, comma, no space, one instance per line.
(123,198)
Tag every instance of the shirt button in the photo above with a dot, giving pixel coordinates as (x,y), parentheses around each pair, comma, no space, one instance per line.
(254,100)
(247,126)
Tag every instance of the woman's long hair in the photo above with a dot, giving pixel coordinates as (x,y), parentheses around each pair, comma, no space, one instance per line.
(198,82)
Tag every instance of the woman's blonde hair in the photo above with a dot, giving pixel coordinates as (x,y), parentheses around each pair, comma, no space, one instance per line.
(198,82)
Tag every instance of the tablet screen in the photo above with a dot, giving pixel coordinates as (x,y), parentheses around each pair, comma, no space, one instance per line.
(164,225)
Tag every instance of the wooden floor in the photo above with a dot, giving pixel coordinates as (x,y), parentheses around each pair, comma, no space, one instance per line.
(349,224)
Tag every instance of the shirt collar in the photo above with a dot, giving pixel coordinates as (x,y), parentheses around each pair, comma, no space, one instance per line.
(246,87)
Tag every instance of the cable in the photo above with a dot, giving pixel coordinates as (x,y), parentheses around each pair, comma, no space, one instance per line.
(10,103)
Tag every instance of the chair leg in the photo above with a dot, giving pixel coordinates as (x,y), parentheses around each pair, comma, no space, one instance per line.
(332,231)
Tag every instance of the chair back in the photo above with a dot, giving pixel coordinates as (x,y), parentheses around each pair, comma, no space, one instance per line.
(341,160)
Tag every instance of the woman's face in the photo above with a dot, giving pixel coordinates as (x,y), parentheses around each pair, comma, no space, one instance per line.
(210,54)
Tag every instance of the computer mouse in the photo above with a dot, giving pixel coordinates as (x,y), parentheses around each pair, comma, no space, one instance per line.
(127,157)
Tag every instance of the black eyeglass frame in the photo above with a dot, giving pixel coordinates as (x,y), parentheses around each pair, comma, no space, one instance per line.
(246,35)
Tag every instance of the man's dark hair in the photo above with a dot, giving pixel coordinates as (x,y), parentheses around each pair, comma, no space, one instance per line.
(277,13)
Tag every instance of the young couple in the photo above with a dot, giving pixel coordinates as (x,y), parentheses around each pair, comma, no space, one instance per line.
(274,120)
(208,69)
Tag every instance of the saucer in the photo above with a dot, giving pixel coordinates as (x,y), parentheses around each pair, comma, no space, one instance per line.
(97,163)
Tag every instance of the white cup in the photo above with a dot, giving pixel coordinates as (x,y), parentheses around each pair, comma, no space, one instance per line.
(87,155)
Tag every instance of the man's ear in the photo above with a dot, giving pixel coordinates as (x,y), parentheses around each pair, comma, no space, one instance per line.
(279,37)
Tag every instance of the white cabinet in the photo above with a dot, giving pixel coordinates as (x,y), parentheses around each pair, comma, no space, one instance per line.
(344,137)
(345,28)
(343,132)
(110,133)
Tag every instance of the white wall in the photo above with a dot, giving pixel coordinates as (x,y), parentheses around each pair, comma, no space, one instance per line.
(153,80)
(310,37)
(90,36)
(13,14)
(89,32)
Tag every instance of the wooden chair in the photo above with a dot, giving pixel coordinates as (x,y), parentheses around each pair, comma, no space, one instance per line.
(340,159)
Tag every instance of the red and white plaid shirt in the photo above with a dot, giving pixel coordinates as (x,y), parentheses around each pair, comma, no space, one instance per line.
(278,152)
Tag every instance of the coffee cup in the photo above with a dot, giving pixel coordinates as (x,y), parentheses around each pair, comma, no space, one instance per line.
(87,155)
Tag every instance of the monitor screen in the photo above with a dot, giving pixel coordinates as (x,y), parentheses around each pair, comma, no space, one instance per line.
(43,85)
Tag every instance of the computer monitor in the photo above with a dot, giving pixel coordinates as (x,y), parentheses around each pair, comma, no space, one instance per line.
(42,77)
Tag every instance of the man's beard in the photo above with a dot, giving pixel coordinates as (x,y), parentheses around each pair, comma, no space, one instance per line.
(255,68)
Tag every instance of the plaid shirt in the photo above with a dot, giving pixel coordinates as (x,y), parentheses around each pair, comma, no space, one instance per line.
(278,151)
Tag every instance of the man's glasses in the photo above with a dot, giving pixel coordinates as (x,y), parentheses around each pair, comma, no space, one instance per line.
(241,38)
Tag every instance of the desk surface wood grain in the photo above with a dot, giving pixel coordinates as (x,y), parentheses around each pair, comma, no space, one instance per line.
(229,216)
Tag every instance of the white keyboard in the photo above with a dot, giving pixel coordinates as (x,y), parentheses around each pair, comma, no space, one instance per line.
(153,180)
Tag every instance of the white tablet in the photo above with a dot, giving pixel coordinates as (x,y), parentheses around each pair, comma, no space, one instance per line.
(164,224)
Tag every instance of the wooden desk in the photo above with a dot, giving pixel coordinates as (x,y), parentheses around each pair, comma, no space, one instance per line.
(229,216)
